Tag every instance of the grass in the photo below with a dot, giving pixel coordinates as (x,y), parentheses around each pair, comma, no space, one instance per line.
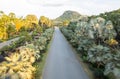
(40,64)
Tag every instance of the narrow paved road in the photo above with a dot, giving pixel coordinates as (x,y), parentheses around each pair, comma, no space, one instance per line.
(61,61)
(6,43)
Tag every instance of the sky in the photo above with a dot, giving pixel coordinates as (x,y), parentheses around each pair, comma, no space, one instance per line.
(55,8)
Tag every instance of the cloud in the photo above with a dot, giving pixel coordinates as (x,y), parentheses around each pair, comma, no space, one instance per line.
(53,5)
(90,7)
(54,8)
(48,3)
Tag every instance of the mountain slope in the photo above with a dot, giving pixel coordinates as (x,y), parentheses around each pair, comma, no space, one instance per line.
(68,15)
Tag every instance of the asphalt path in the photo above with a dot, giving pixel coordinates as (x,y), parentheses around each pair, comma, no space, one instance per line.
(6,43)
(61,62)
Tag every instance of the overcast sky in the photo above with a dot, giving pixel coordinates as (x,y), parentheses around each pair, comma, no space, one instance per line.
(54,8)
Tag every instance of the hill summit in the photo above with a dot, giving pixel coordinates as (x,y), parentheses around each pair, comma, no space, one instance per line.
(68,15)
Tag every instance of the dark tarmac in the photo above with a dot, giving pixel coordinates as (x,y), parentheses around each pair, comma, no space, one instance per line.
(61,62)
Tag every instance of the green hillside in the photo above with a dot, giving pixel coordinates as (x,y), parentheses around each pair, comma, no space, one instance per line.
(68,15)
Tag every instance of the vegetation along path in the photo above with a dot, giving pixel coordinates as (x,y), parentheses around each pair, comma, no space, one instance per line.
(61,61)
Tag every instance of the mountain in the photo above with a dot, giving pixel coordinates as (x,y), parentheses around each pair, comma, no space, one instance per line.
(68,15)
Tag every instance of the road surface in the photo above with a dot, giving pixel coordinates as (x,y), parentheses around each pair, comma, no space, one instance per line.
(6,43)
(61,62)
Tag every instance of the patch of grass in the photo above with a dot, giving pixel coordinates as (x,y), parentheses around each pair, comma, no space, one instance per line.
(40,64)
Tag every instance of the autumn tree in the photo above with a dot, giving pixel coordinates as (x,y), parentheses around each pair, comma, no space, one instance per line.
(45,22)
(4,20)
(11,25)
(32,20)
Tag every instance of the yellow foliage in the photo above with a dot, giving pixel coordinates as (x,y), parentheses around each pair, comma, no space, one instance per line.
(65,23)
(112,42)
(19,63)
(13,58)
(3,34)
(4,20)
(31,20)
(18,24)
(45,21)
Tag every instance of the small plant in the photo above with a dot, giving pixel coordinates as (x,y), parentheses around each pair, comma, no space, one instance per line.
(99,54)
(112,42)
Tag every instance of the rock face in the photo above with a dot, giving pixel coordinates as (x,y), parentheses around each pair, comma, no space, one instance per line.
(68,15)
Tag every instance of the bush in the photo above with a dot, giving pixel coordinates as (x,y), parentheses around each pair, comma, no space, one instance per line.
(19,63)
(96,40)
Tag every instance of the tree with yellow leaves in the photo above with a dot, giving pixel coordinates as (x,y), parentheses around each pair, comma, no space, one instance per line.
(18,24)
(42,21)
(3,34)
(45,22)
(32,20)
(4,20)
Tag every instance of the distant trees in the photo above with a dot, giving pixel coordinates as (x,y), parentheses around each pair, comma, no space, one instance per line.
(45,22)
(114,16)
(32,19)
(11,25)
(4,21)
